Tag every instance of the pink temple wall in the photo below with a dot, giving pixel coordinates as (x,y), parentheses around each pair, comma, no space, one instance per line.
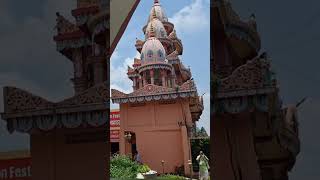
(158,135)
(53,159)
(234,157)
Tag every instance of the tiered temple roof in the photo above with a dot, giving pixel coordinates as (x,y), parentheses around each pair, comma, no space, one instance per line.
(159,73)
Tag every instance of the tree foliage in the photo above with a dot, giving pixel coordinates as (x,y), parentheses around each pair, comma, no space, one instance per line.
(198,145)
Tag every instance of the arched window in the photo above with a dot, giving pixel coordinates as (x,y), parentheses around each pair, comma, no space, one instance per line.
(149,55)
(162,33)
(160,54)
(157,77)
(142,56)
(148,77)
(169,79)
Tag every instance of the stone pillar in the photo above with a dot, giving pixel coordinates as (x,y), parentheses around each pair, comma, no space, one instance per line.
(140,82)
(173,79)
(186,150)
(134,83)
(99,70)
(163,76)
(79,82)
(123,127)
(144,79)
(152,76)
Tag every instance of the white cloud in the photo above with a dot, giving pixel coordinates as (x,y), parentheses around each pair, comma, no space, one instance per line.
(192,18)
(118,72)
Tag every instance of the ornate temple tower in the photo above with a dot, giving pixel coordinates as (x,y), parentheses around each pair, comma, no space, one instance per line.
(84,43)
(157,117)
(68,138)
(255,137)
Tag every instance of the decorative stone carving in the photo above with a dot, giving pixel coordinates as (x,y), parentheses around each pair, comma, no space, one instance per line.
(23,124)
(72,120)
(252,75)
(97,119)
(153,92)
(96,94)
(64,26)
(19,100)
(46,123)
(235,105)
(73,44)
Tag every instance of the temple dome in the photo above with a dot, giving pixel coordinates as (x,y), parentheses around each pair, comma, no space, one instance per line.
(153,51)
(160,14)
(158,28)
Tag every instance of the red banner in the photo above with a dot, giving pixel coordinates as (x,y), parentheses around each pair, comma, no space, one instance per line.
(15,169)
(114,135)
(115,119)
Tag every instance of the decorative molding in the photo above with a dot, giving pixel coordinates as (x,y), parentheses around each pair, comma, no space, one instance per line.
(53,121)
(152,92)
(17,100)
(73,44)
(24,111)
(157,65)
(252,75)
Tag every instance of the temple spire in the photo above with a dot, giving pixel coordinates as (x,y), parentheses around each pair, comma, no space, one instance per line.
(152,33)
(156,1)
(154,15)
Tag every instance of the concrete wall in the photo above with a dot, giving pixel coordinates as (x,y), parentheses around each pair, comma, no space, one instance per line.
(54,159)
(233,148)
(158,134)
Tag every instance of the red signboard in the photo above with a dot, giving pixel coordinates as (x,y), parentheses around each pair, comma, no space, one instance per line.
(114,135)
(115,126)
(15,169)
(115,119)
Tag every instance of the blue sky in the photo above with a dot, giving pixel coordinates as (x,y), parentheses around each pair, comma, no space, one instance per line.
(192,23)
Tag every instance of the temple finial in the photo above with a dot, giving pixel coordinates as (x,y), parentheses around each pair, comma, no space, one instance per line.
(156,1)
(154,15)
(152,33)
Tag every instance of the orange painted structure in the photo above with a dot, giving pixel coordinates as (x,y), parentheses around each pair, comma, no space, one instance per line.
(158,117)
(255,136)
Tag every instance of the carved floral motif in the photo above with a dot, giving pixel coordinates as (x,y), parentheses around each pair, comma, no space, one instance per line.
(19,100)
(252,75)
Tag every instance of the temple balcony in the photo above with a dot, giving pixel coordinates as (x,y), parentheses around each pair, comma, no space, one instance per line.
(196,107)
(139,44)
(185,73)
(178,46)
